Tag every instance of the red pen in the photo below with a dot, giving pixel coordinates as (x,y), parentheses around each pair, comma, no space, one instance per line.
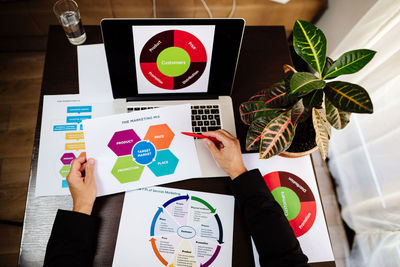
(215,140)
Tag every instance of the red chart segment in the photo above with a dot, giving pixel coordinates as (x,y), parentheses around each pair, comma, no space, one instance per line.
(272,180)
(191,45)
(308,209)
(153,75)
(305,219)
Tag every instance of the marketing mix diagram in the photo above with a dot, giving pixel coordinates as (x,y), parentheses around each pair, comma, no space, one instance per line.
(62,139)
(173,59)
(141,149)
(170,227)
(293,185)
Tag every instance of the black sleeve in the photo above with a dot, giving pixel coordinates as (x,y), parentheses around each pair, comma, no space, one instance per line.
(73,240)
(274,238)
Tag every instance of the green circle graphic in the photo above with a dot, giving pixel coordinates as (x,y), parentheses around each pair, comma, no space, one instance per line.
(288,200)
(173,61)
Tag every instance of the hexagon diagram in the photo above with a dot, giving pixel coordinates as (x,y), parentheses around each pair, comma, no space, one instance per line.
(134,154)
(67,158)
(123,141)
(126,170)
(160,135)
(64,171)
(164,164)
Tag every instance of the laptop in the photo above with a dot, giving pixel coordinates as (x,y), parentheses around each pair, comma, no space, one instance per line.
(159,62)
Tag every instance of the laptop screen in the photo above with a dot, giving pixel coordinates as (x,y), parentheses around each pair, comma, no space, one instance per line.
(171,57)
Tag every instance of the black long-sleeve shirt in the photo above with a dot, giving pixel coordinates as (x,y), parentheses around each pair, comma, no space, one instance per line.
(74,235)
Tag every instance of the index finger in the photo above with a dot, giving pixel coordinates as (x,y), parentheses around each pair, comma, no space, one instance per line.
(223,138)
(77,163)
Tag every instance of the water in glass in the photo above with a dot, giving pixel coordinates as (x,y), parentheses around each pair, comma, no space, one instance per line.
(71,22)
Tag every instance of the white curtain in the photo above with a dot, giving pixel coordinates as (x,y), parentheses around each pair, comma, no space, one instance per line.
(365,157)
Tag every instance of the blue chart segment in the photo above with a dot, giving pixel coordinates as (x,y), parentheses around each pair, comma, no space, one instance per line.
(186,231)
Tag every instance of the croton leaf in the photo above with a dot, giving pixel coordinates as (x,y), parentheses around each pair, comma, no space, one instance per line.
(337,118)
(253,137)
(277,135)
(276,95)
(348,97)
(322,131)
(254,109)
(313,99)
(310,44)
(304,83)
(350,62)
(299,113)
(328,63)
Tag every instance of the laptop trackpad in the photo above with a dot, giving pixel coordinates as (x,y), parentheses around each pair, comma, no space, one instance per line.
(208,166)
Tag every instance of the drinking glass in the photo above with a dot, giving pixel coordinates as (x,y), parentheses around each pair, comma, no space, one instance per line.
(67,13)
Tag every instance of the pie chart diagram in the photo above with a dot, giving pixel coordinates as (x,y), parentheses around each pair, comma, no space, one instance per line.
(186,231)
(296,199)
(173,59)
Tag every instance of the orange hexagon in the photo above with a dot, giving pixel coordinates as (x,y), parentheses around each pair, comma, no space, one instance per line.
(160,135)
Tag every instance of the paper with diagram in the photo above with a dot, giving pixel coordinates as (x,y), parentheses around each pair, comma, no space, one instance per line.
(141,149)
(293,185)
(62,140)
(169,227)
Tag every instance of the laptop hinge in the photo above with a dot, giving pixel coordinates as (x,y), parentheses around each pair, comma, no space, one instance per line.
(171,97)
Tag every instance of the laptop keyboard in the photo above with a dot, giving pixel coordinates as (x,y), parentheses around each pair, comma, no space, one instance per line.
(204,117)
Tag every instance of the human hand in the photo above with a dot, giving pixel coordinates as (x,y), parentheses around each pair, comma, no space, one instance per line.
(82,184)
(227,154)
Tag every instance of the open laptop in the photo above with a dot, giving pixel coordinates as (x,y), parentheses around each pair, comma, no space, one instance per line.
(160,62)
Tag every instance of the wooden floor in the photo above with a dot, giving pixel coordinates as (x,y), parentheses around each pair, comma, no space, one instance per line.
(20,81)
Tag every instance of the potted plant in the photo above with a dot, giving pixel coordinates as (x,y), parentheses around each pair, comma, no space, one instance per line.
(296,114)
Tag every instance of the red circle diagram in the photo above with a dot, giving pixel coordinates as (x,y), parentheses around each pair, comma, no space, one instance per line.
(308,208)
(173,38)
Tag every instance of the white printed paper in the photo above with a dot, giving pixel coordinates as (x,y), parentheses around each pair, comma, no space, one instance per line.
(163,226)
(292,183)
(141,149)
(94,80)
(62,140)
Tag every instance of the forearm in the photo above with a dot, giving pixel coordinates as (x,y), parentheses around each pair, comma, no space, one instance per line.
(271,232)
(73,240)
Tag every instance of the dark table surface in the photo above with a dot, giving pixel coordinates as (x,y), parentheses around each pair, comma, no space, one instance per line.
(264,51)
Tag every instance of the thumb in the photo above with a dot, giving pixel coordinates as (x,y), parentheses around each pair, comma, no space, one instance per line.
(211,146)
(89,170)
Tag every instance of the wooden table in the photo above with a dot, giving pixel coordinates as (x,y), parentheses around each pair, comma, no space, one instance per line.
(264,51)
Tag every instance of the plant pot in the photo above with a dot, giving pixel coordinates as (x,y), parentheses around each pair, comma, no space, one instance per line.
(286,154)
(303,143)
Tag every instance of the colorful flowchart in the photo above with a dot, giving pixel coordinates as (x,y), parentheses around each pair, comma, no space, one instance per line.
(134,154)
(186,231)
(73,144)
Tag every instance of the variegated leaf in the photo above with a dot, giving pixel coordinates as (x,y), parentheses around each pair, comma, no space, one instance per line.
(275,96)
(253,137)
(277,135)
(303,83)
(322,131)
(313,99)
(309,42)
(337,118)
(299,113)
(348,97)
(328,63)
(254,109)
